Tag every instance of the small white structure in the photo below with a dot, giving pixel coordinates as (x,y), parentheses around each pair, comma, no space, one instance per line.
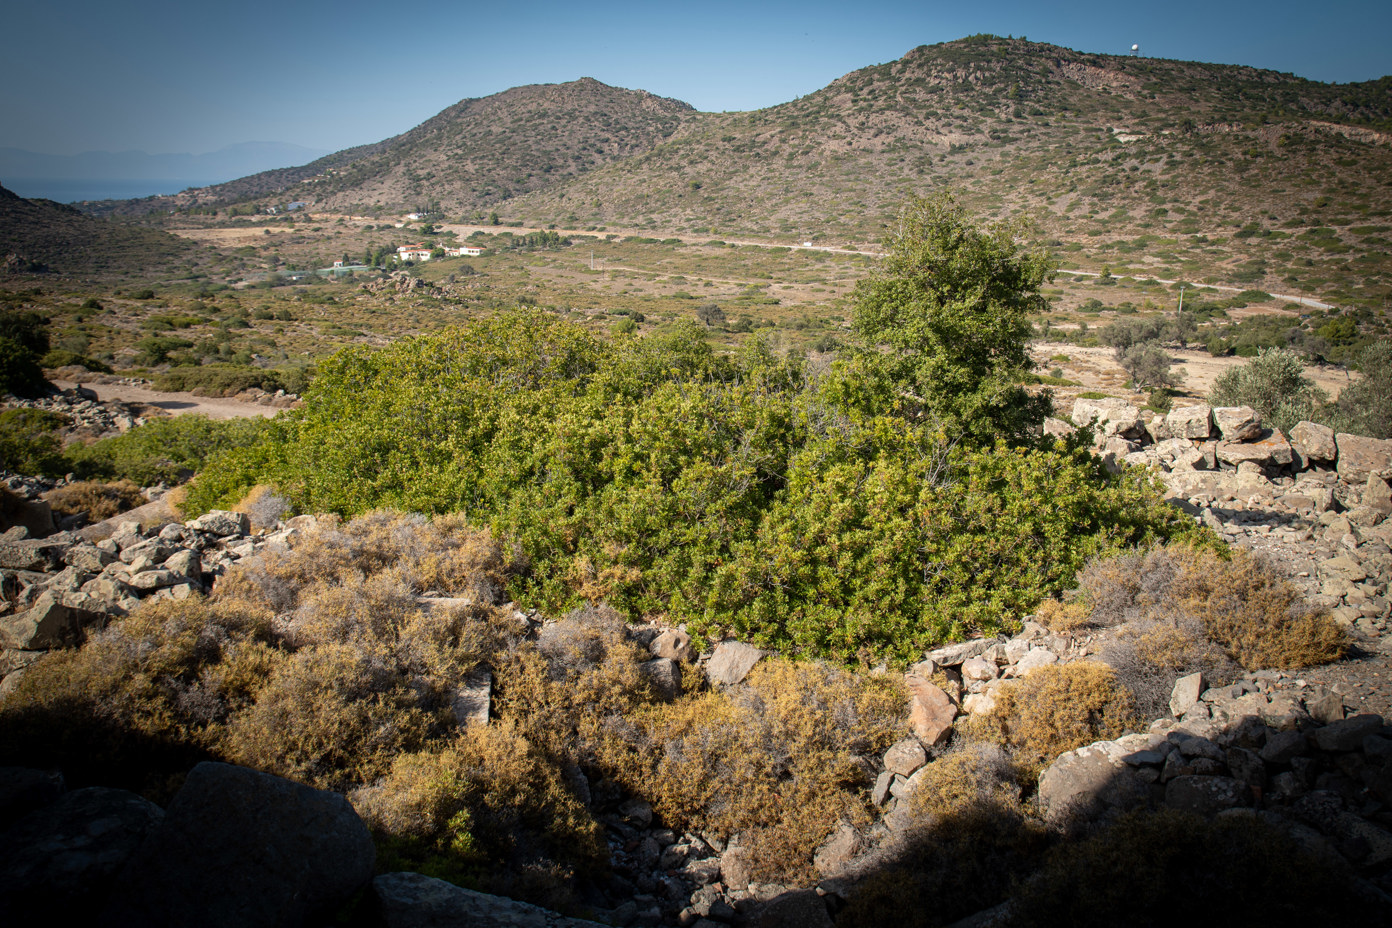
(420,252)
(461,251)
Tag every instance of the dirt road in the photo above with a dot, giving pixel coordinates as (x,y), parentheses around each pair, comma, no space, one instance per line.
(214,407)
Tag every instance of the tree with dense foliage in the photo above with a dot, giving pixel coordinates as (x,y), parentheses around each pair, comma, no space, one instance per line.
(23,341)
(947,318)
(1365,406)
(1274,384)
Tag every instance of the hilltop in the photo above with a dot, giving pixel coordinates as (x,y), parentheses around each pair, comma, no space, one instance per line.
(473,155)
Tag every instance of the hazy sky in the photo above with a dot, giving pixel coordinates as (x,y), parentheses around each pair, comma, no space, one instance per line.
(161,76)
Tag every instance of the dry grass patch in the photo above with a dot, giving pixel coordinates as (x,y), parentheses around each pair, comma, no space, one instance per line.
(780,761)
(94,499)
(1056,709)
(487,810)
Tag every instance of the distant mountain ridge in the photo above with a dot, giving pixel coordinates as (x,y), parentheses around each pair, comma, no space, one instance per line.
(224,164)
(477,153)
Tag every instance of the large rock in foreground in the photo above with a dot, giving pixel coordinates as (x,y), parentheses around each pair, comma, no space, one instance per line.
(411,900)
(58,862)
(245,849)
(1360,456)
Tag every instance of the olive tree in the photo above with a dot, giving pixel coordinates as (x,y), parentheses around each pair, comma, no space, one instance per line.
(1274,384)
(946,317)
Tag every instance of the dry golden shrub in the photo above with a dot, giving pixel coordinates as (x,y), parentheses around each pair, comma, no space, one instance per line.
(775,760)
(1259,618)
(1058,708)
(970,837)
(972,774)
(332,716)
(144,697)
(488,809)
(94,499)
(581,677)
(1177,610)
(1064,616)
(444,556)
(263,507)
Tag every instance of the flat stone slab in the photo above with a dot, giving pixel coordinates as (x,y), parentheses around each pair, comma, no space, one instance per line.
(731,662)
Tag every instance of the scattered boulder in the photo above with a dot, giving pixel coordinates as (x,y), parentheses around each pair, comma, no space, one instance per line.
(1190,422)
(673,644)
(473,698)
(931,711)
(1268,448)
(412,900)
(1237,423)
(49,624)
(731,662)
(905,757)
(1313,441)
(59,862)
(1186,693)
(220,522)
(665,675)
(1359,456)
(1089,783)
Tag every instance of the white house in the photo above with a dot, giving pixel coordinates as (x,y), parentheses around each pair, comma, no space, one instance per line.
(463,251)
(419,252)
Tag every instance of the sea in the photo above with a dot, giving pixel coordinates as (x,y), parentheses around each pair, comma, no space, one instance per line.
(73,191)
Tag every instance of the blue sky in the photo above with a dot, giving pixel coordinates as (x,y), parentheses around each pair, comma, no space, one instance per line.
(161,76)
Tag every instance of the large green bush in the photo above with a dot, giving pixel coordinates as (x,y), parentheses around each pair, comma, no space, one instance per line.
(30,444)
(1365,406)
(163,450)
(23,341)
(728,493)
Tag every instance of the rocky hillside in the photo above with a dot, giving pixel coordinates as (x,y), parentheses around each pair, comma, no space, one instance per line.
(41,236)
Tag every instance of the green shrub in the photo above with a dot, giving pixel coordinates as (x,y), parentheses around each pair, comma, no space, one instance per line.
(219,379)
(61,357)
(165,450)
(724,492)
(1365,406)
(1274,384)
(30,444)
(23,341)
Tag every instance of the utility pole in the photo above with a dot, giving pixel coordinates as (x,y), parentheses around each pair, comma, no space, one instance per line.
(1179,316)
